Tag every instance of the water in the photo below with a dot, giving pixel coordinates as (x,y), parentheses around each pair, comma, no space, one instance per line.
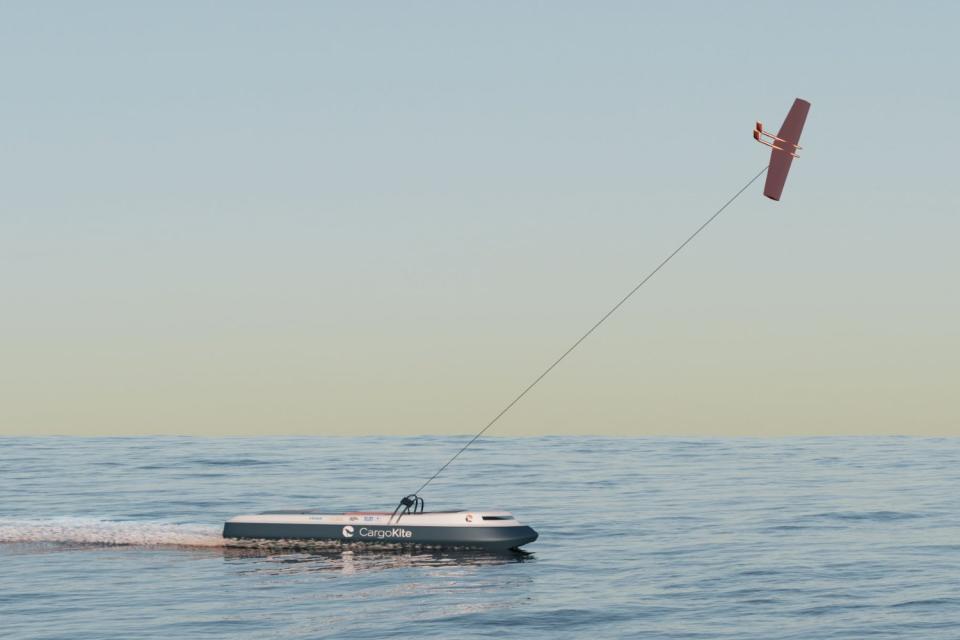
(656,538)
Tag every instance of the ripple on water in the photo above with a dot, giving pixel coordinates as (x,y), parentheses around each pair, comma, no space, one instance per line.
(744,538)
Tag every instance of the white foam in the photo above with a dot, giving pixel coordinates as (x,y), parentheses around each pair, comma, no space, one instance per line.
(106,532)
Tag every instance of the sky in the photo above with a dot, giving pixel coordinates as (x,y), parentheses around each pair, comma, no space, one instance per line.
(387,218)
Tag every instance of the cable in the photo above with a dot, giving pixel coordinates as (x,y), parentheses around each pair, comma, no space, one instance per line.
(591,330)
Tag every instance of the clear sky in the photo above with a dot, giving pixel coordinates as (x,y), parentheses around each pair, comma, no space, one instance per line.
(387,218)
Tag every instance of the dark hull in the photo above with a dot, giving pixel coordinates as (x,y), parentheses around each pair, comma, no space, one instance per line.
(492,538)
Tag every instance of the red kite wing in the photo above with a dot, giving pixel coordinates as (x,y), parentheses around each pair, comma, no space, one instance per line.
(781,156)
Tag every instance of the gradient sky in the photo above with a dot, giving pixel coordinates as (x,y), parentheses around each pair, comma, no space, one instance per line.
(387,218)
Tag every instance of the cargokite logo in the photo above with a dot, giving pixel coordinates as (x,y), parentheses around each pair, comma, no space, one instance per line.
(348,531)
(396,532)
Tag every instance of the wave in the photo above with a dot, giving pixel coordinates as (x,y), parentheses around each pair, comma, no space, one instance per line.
(71,530)
(879,516)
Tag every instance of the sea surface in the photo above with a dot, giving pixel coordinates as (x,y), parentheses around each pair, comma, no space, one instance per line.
(639,538)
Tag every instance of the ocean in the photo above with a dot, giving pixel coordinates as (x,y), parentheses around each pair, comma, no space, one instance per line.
(639,538)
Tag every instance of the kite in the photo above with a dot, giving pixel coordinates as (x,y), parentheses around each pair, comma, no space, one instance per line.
(783,147)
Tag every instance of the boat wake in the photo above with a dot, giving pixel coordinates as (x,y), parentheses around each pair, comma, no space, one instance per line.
(91,531)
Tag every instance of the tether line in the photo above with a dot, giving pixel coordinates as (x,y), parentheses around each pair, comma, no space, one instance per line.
(592,329)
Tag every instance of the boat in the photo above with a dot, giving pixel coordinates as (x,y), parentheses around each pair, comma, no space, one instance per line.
(491,530)
(408,524)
